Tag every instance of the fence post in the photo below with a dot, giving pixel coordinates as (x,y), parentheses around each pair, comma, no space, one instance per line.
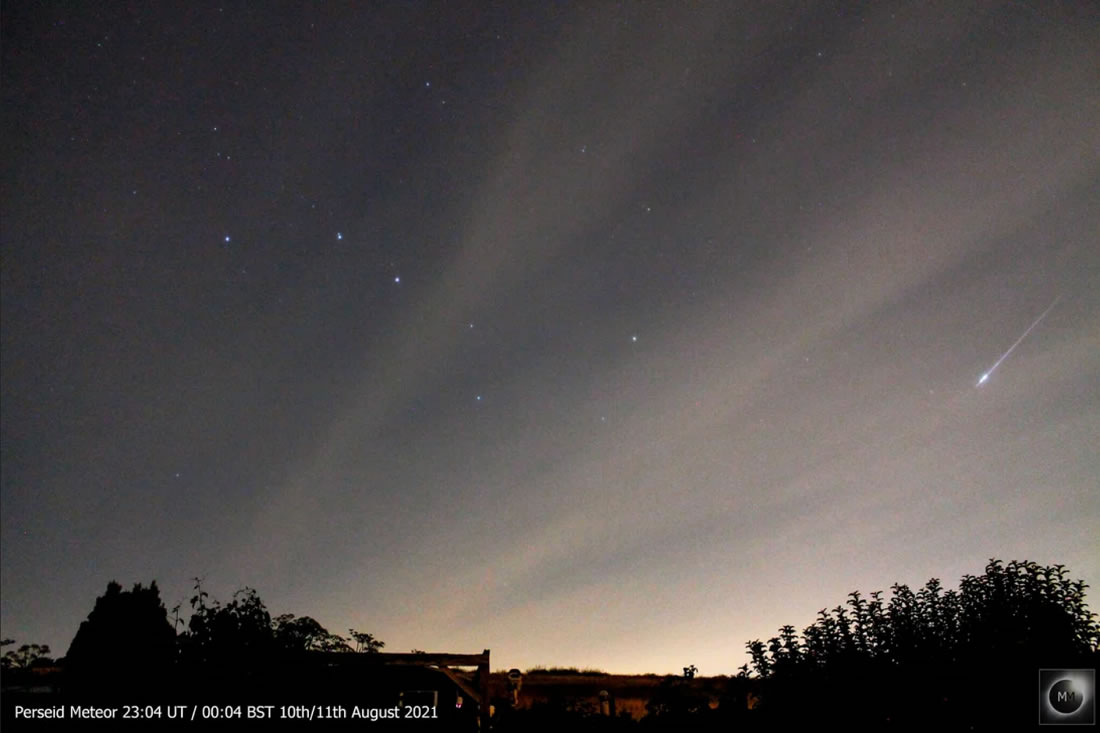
(483,678)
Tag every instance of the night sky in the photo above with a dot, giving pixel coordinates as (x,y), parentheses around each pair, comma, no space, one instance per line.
(608,335)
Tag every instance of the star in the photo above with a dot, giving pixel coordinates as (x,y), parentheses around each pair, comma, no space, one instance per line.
(339,235)
(634,339)
(226,237)
(397,279)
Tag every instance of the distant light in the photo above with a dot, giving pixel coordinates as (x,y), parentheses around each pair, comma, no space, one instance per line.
(479,398)
(339,235)
(397,279)
(227,237)
(634,338)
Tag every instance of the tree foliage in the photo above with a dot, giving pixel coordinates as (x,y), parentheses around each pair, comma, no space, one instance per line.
(128,643)
(16,660)
(302,634)
(243,631)
(1021,609)
(127,633)
(365,642)
(924,657)
(236,631)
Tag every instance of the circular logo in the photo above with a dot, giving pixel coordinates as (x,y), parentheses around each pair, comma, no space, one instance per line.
(1065,697)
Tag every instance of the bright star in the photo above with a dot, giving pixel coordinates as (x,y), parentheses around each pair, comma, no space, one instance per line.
(397,279)
(339,235)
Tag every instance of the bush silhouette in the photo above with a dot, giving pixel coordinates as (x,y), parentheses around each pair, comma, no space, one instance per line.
(240,642)
(236,633)
(127,645)
(926,656)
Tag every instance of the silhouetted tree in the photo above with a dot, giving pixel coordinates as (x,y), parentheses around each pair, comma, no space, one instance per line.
(126,639)
(22,658)
(924,653)
(243,633)
(365,642)
(239,632)
(305,634)
(1013,610)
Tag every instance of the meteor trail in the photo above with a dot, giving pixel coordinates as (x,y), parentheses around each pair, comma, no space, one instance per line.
(985,377)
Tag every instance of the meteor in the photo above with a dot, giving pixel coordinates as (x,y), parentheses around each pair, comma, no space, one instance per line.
(985,377)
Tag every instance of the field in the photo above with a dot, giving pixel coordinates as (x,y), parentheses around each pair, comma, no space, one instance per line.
(581,690)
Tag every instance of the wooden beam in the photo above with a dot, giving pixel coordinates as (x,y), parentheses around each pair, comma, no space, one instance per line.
(462,683)
(483,677)
(372,659)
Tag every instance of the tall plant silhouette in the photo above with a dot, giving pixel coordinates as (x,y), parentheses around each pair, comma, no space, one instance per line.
(243,631)
(923,653)
(1018,609)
